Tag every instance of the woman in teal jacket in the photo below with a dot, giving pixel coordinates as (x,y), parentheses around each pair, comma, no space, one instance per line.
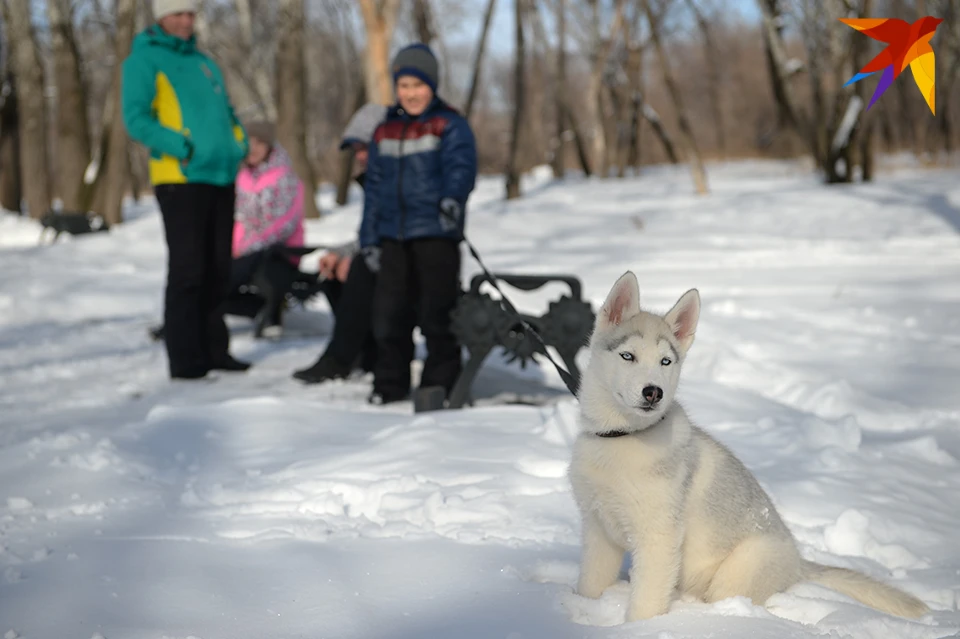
(175,102)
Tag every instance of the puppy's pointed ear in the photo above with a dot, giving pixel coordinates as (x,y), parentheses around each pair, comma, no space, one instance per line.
(683,318)
(622,303)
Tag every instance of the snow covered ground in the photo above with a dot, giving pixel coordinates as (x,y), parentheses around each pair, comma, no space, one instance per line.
(827,357)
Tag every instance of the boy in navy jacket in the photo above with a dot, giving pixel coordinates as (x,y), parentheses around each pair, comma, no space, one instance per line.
(421,169)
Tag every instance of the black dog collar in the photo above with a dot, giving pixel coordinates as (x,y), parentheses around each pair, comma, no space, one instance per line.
(613,433)
(622,433)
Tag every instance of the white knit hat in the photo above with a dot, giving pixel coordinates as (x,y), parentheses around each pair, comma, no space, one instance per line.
(163,8)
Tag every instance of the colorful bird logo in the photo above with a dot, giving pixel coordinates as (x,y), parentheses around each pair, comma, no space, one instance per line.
(907,44)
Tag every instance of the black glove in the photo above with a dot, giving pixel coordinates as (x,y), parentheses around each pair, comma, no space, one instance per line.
(450,214)
(371,256)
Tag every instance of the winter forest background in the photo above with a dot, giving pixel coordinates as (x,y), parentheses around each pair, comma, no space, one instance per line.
(599,86)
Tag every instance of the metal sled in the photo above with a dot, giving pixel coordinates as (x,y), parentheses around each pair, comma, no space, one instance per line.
(481,323)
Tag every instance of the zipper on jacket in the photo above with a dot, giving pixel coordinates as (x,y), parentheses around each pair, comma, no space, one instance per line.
(403,205)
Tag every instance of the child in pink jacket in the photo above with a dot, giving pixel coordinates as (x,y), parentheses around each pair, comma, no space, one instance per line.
(269,204)
(269,212)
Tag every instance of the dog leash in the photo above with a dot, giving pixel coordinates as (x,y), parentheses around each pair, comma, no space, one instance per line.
(505,303)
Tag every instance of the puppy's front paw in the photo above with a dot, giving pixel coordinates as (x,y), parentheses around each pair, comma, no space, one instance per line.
(645,610)
(590,589)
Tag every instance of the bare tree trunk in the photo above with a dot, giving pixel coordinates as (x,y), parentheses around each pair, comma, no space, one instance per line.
(423,18)
(858,141)
(28,70)
(520,98)
(945,104)
(139,179)
(291,96)
(11,191)
(906,124)
(610,121)
(653,118)
(951,65)
(73,130)
(261,81)
(713,60)
(948,63)
(117,174)
(582,154)
(594,85)
(535,134)
(634,71)
(890,140)
(601,51)
(633,143)
(478,58)
(829,147)
(923,139)
(560,89)
(620,89)
(686,132)
(619,97)
(380,17)
(92,196)
(544,146)
(344,175)
(867,151)
(777,64)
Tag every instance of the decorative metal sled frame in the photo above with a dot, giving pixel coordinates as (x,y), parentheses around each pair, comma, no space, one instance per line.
(481,324)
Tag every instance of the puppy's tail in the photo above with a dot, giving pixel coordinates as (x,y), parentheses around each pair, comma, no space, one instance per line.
(866,590)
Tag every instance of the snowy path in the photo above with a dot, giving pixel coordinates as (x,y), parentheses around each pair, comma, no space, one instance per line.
(827,357)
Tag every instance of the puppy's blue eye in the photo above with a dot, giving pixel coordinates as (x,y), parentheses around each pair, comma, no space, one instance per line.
(666,361)
(627,355)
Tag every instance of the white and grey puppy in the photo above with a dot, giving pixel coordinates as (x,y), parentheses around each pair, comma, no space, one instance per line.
(650,483)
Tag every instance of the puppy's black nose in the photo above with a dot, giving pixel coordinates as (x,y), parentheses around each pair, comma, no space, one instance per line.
(653,394)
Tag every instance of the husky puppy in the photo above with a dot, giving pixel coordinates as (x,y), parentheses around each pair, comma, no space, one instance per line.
(649,482)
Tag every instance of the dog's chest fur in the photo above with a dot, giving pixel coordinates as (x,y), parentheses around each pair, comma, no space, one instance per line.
(648,473)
